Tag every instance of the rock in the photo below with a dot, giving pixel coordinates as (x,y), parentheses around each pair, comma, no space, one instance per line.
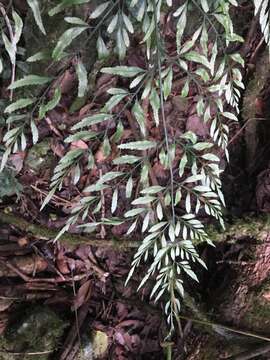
(9,185)
(38,157)
(39,330)
(94,346)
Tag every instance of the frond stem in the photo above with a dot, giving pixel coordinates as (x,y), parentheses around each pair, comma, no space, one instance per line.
(163,111)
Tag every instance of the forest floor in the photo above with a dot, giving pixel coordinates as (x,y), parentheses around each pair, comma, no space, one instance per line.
(77,293)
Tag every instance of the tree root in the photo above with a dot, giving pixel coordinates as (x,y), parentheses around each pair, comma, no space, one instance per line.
(44,233)
(258,228)
(252,227)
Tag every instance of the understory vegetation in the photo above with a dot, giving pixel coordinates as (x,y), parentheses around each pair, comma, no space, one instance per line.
(135,167)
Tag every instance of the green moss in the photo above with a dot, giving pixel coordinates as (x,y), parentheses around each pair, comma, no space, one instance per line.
(245,227)
(257,318)
(39,157)
(39,330)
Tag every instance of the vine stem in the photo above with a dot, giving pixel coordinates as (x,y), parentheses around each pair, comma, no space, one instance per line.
(163,111)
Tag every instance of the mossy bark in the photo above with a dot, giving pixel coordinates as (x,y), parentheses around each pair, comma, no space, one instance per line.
(257,228)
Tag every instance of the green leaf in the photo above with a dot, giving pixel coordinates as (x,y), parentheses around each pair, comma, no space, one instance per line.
(238,58)
(182,165)
(77,174)
(178,197)
(11,49)
(112,221)
(34,131)
(75,21)
(13,118)
(82,77)
(134,212)
(106,147)
(138,145)
(136,81)
(202,146)
(125,37)
(41,55)
(155,104)
(19,104)
(81,135)
(188,203)
(65,40)
(129,187)
(211,157)
(114,201)
(143,200)
(153,189)
(157,226)
(128,23)
(113,101)
(159,211)
(48,198)
(185,90)
(204,4)
(189,135)
(112,24)
(167,84)
(198,58)
(138,112)
(111,175)
(18,26)
(96,187)
(193,178)
(117,91)
(126,71)
(120,44)
(30,80)
(44,108)
(34,5)
(11,134)
(91,120)
(116,137)
(99,10)
(203,74)
(181,24)
(102,50)
(126,159)
(132,227)
(191,273)
(230,115)
(64,5)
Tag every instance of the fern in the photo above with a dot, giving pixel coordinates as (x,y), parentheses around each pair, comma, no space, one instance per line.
(262,10)
(167,215)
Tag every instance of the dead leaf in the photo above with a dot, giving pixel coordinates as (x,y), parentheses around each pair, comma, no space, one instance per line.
(79,144)
(83,295)
(266,295)
(17,160)
(196,125)
(67,82)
